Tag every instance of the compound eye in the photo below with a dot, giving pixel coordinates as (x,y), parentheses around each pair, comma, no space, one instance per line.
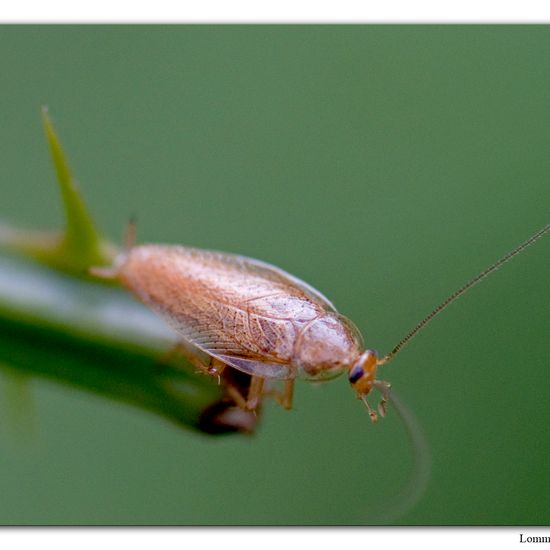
(356,373)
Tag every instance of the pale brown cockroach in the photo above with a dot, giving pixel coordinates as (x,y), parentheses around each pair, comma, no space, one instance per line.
(233,311)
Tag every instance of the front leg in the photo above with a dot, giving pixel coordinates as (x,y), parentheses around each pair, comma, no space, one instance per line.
(202,362)
(285,397)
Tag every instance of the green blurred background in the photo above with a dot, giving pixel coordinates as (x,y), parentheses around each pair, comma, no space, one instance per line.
(385,165)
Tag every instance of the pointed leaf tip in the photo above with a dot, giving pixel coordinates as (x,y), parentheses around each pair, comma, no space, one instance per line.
(81,246)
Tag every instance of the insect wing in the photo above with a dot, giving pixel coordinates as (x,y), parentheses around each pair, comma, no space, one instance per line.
(244,312)
(264,269)
(235,356)
(259,368)
(213,343)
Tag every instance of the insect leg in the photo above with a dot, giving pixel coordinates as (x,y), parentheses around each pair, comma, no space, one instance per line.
(206,365)
(235,394)
(130,237)
(212,367)
(255,393)
(385,390)
(284,398)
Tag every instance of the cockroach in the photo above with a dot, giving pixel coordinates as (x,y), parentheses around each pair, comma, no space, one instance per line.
(236,312)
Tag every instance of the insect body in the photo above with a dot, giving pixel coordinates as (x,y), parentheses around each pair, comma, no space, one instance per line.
(246,314)
(232,311)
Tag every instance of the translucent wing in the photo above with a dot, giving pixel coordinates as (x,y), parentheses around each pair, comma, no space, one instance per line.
(265,268)
(244,312)
(235,351)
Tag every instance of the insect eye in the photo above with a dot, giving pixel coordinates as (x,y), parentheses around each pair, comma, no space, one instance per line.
(356,373)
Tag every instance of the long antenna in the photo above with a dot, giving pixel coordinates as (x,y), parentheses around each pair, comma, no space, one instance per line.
(485,273)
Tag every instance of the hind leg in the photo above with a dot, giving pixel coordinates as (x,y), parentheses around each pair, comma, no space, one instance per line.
(285,397)
(216,368)
(255,393)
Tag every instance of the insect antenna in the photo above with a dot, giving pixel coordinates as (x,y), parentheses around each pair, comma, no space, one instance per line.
(396,507)
(462,290)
